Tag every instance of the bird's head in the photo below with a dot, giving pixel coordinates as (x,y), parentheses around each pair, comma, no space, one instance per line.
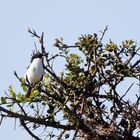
(36,55)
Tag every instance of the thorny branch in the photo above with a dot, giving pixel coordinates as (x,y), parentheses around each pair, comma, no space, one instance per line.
(28,130)
(35,120)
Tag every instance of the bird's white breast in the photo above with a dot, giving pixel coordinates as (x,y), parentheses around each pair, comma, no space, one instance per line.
(35,71)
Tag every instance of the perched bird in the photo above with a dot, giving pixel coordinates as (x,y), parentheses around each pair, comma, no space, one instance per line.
(34,72)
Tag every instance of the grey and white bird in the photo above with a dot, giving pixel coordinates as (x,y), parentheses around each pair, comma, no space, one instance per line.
(34,72)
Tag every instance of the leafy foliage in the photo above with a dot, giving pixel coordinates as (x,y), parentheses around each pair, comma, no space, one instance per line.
(83,101)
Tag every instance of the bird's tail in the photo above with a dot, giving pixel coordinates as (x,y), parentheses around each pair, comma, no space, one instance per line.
(28,92)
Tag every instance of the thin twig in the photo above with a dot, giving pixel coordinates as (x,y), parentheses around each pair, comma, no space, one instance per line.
(28,130)
(33,33)
(20,79)
(103,33)
(126,91)
(61,135)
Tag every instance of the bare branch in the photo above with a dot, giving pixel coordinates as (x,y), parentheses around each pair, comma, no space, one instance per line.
(35,120)
(103,33)
(34,34)
(28,130)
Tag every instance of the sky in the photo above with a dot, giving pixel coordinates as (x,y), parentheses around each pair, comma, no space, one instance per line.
(57,18)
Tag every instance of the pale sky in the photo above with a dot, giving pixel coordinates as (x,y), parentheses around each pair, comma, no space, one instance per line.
(57,18)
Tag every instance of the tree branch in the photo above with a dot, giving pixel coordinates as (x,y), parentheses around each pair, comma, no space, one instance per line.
(36,120)
(28,130)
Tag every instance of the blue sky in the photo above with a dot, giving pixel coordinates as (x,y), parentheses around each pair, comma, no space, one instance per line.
(57,18)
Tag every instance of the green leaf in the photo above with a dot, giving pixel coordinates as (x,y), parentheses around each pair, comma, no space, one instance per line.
(34,93)
(11,91)
(10,105)
(19,97)
(24,87)
(47,80)
(74,59)
(3,100)
(111,46)
(128,43)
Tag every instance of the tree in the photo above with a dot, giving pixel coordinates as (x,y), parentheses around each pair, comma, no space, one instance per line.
(83,101)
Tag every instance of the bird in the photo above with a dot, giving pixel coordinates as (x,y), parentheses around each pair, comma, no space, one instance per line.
(35,72)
